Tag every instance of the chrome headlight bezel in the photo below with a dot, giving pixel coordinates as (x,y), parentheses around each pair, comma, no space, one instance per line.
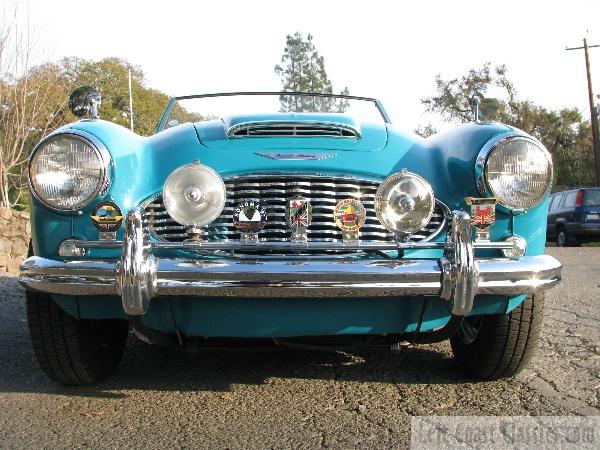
(104,158)
(481,168)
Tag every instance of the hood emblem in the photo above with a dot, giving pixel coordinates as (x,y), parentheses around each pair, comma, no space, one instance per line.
(296,156)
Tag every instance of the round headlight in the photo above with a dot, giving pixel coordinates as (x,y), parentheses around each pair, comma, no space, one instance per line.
(194,194)
(67,171)
(518,171)
(404,203)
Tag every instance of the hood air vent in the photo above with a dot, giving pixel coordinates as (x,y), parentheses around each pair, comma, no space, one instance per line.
(295,129)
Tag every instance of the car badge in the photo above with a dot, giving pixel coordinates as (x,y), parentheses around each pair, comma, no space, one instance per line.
(296,156)
(249,218)
(107,217)
(483,216)
(349,215)
(298,216)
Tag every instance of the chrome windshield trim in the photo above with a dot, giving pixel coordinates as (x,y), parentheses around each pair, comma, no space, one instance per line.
(167,112)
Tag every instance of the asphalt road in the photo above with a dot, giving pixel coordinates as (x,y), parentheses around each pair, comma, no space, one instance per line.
(295,399)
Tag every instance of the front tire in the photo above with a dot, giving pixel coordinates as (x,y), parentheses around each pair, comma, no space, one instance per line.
(72,351)
(499,346)
(561,238)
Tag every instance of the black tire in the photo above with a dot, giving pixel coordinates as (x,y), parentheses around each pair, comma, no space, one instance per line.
(72,351)
(502,345)
(562,239)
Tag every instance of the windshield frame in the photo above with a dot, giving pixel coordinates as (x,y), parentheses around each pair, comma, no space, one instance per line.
(167,112)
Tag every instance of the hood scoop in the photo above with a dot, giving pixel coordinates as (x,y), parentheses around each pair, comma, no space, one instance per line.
(292,129)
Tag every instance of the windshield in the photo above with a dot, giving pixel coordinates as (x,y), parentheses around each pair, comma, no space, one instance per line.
(199,108)
(591,197)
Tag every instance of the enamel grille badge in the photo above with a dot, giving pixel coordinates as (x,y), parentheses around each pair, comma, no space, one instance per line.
(249,217)
(349,215)
(483,215)
(298,217)
(107,217)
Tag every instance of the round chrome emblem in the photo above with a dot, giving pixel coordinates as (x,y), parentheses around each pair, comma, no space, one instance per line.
(349,215)
(249,217)
(107,217)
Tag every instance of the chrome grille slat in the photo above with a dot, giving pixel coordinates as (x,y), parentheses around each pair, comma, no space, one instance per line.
(273,192)
(275,129)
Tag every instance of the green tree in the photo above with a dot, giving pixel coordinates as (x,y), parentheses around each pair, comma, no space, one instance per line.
(110,77)
(565,133)
(425,131)
(33,102)
(302,69)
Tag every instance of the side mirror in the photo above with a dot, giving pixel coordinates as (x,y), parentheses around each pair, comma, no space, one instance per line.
(85,101)
(485,108)
(488,108)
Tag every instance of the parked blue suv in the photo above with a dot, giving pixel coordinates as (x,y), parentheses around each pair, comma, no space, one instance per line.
(574,217)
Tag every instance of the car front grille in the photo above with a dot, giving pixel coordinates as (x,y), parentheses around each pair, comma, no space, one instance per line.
(273,192)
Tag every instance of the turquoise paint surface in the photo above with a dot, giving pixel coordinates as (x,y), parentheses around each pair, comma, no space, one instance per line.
(248,317)
(141,165)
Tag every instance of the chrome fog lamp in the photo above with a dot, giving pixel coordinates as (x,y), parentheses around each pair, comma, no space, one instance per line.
(515,169)
(194,195)
(404,203)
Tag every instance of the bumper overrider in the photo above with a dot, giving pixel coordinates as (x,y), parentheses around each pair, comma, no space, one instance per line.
(139,276)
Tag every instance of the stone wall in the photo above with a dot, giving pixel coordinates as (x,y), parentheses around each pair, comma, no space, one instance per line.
(15,232)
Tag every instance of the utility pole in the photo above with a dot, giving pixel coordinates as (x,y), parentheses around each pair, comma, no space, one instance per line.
(593,109)
(130,99)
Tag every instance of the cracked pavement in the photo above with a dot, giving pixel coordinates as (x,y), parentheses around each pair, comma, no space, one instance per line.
(296,399)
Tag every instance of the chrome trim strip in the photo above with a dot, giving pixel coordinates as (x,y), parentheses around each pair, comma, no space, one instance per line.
(287,246)
(486,151)
(296,156)
(250,278)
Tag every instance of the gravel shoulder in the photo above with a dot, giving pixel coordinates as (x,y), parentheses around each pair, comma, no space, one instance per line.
(296,399)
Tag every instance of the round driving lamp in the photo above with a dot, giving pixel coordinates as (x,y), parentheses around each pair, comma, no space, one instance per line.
(68,170)
(404,203)
(517,170)
(194,195)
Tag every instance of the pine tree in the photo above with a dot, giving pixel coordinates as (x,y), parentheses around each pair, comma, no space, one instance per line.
(302,69)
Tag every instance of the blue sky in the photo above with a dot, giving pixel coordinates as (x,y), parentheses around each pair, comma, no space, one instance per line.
(384,49)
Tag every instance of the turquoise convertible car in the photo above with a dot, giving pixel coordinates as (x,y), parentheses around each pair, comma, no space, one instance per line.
(287,219)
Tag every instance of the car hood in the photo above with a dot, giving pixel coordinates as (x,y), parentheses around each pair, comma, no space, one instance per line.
(292,131)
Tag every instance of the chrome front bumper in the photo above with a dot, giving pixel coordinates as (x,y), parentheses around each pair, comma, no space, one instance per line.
(139,276)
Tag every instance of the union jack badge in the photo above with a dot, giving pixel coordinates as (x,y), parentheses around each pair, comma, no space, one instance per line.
(298,216)
(483,215)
